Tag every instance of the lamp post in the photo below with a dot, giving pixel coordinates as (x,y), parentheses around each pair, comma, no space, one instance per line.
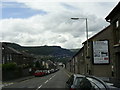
(86,32)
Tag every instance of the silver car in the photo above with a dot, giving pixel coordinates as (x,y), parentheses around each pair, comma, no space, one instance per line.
(74,80)
(82,82)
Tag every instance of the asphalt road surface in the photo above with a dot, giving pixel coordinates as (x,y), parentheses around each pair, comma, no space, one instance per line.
(54,80)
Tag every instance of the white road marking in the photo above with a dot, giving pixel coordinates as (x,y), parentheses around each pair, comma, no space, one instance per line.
(50,78)
(46,81)
(53,76)
(7,84)
(39,87)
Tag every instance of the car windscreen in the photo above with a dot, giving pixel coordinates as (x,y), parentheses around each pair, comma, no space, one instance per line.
(96,83)
(37,71)
(77,81)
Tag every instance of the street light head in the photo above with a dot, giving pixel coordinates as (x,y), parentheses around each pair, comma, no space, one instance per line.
(78,18)
(86,30)
(74,18)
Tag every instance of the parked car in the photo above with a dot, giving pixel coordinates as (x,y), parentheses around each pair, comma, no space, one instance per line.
(81,82)
(52,71)
(48,71)
(39,73)
(56,70)
(45,72)
(73,81)
(93,83)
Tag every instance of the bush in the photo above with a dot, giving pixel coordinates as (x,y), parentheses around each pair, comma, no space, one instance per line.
(0,65)
(9,66)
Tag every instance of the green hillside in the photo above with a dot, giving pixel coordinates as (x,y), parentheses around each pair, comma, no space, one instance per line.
(56,51)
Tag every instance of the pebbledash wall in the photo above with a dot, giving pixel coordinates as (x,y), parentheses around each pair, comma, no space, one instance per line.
(114,19)
(82,65)
(100,69)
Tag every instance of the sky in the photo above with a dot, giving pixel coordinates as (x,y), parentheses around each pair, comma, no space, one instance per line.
(48,22)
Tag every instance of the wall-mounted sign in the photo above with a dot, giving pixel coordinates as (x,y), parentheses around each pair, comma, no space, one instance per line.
(100,52)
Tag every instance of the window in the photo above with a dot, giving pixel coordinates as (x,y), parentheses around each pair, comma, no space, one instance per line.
(10,57)
(7,57)
(78,80)
(82,54)
(116,32)
(3,48)
(75,59)
(117,24)
(3,59)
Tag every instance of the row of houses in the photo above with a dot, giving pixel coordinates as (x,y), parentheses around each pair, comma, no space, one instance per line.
(10,54)
(50,64)
(10,57)
(103,59)
(26,63)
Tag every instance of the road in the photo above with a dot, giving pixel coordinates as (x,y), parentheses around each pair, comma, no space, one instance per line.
(54,80)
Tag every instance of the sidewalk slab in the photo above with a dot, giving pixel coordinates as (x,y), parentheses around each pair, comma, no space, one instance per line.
(19,79)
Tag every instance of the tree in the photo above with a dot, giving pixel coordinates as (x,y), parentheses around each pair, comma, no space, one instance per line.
(37,64)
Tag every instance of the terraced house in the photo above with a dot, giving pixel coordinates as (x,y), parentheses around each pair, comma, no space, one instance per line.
(114,19)
(103,58)
(10,54)
(102,68)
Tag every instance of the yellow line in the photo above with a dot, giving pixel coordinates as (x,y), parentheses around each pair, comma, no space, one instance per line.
(24,80)
(8,83)
(67,74)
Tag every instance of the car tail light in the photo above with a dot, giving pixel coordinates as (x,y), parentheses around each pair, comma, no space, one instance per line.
(72,89)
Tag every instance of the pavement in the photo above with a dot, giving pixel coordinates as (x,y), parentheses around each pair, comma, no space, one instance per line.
(53,80)
(69,73)
(10,82)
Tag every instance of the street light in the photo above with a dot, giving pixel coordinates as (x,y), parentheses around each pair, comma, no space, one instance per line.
(86,31)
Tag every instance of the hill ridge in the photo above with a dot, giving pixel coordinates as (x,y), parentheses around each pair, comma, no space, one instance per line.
(42,50)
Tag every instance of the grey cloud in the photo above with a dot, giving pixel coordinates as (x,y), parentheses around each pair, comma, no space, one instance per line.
(61,39)
(68,6)
(54,28)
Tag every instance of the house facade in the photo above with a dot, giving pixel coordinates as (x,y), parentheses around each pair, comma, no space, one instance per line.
(103,56)
(82,64)
(114,19)
(81,61)
(10,55)
(100,61)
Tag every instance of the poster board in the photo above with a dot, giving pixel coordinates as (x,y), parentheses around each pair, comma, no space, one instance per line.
(101,52)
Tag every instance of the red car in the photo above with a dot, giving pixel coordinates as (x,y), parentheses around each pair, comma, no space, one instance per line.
(39,73)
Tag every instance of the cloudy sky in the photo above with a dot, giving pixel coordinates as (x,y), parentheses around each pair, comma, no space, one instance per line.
(47,22)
